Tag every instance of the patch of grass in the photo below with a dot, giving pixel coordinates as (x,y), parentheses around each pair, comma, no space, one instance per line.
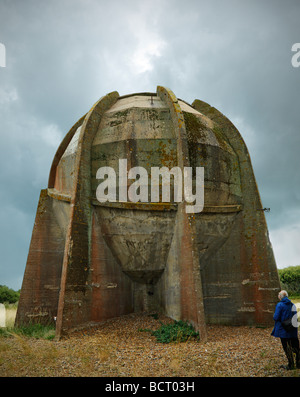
(4,333)
(12,306)
(294,298)
(37,331)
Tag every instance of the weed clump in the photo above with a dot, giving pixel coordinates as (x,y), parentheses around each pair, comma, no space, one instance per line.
(178,331)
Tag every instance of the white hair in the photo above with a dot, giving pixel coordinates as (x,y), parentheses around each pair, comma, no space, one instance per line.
(282,294)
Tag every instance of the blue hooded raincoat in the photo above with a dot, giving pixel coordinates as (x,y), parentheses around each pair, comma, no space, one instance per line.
(284,310)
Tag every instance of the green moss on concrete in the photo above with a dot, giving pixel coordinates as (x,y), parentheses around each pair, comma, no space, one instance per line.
(220,136)
(195,129)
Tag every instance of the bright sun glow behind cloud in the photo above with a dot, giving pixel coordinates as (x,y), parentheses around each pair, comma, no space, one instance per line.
(144,55)
(148,42)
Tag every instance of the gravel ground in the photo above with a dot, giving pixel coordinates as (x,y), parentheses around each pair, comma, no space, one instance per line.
(118,348)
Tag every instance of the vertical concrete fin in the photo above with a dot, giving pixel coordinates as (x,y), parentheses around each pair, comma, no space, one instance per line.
(61,149)
(258,262)
(191,297)
(167,96)
(40,288)
(75,295)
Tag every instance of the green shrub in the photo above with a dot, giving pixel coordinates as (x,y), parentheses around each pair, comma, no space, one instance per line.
(179,331)
(8,295)
(290,279)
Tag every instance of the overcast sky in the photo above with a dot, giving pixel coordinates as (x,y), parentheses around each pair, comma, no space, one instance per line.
(63,55)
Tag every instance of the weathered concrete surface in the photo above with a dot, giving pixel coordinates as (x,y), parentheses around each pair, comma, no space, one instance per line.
(41,283)
(90,261)
(249,274)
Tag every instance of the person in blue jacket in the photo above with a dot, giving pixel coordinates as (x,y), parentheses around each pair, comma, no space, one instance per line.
(289,339)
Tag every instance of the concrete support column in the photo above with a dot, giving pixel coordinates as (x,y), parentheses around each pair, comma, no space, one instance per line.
(187,259)
(75,293)
(258,272)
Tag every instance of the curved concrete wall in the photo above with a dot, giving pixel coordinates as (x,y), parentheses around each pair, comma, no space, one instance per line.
(89,261)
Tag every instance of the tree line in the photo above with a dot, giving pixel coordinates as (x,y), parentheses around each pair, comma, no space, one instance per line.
(290,279)
(8,295)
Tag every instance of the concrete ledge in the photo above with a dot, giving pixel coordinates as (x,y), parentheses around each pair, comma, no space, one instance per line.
(147,206)
(58,196)
(137,206)
(165,206)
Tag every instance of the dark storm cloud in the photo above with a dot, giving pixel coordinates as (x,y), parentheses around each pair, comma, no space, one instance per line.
(238,59)
(63,55)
